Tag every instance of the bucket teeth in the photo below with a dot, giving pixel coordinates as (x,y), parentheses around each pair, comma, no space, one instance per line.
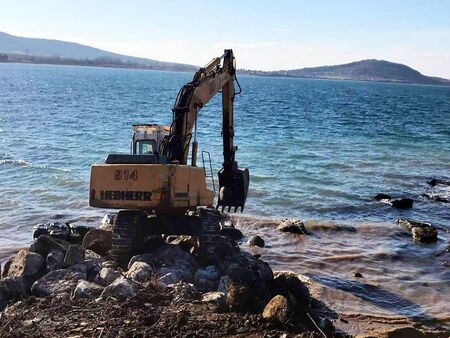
(233,189)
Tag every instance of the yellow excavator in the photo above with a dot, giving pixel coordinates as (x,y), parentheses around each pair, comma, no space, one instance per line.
(159,192)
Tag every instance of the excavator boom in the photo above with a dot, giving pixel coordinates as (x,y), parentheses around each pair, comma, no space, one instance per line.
(218,75)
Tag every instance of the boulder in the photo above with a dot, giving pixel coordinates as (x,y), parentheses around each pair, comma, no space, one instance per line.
(140,272)
(108,222)
(232,233)
(420,231)
(225,283)
(74,255)
(183,292)
(85,289)
(435,181)
(12,288)
(122,288)
(292,226)
(256,241)
(403,203)
(210,272)
(58,283)
(107,275)
(55,260)
(217,299)
(6,267)
(28,265)
(279,310)
(43,245)
(146,258)
(380,197)
(182,273)
(291,287)
(77,232)
(98,240)
(424,234)
(110,264)
(169,278)
(243,299)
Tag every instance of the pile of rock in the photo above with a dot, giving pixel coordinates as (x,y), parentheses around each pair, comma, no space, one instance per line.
(237,281)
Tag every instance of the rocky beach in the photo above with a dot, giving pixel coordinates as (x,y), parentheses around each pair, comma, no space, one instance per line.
(66,284)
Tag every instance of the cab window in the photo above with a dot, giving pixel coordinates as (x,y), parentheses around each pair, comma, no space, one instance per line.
(144,147)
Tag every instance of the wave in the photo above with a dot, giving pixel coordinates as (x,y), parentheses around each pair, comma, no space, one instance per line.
(17,163)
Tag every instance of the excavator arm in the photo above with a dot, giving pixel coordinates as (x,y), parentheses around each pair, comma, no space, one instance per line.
(218,75)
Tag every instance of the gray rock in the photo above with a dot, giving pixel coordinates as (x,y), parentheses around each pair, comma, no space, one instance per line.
(424,234)
(121,288)
(293,226)
(85,289)
(184,242)
(108,222)
(28,265)
(183,292)
(278,310)
(291,287)
(180,272)
(231,232)
(74,255)
(146,258)
(218,299)
(108,275)
(169,278)
(243,299)
(89,254)
(256,241)
(44,244)
(99,241)
(55,260)
(225,283)
(58,283)
(210,273)
(140,272)
(12,288)
(403,203)
(110,264)
(6,267)
(380,197)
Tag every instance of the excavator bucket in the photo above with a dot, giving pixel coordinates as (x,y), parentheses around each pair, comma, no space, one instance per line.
(233,188)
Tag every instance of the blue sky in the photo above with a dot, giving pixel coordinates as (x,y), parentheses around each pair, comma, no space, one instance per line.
(264,34)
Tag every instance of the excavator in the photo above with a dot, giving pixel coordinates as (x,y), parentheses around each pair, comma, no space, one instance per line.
(156,189)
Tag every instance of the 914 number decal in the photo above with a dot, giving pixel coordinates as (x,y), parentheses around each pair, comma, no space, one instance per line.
(126,175)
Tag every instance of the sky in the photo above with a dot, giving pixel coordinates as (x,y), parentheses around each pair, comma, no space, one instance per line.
(265,35)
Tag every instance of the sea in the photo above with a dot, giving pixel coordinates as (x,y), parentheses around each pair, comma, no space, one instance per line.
(317,150)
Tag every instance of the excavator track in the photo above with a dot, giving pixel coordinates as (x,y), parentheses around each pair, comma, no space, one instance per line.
(209,237)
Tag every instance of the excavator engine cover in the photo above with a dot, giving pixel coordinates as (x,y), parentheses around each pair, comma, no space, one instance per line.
(233,188)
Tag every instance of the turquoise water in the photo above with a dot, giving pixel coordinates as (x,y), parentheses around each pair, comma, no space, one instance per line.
(317,150)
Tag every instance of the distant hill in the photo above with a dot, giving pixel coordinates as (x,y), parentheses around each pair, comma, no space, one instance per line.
(20,49)
(365,70)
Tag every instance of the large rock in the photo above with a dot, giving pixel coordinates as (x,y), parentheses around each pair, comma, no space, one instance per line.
(74,255)
(28,265)
(85,289)
(58,283)
(293,226)
(381,197)
(11,288)
(420,231)
(170,278)
(233,233)
(279,310)
(108,222)
(225,283)
(424,234)
(256,241)
(140,272)
(146,258)
(43,245)
(293,289)
(184,292)
(107,275)
(55,260)
(403,203)
(99,241)
(217,299)
(121,288)
(243,299)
